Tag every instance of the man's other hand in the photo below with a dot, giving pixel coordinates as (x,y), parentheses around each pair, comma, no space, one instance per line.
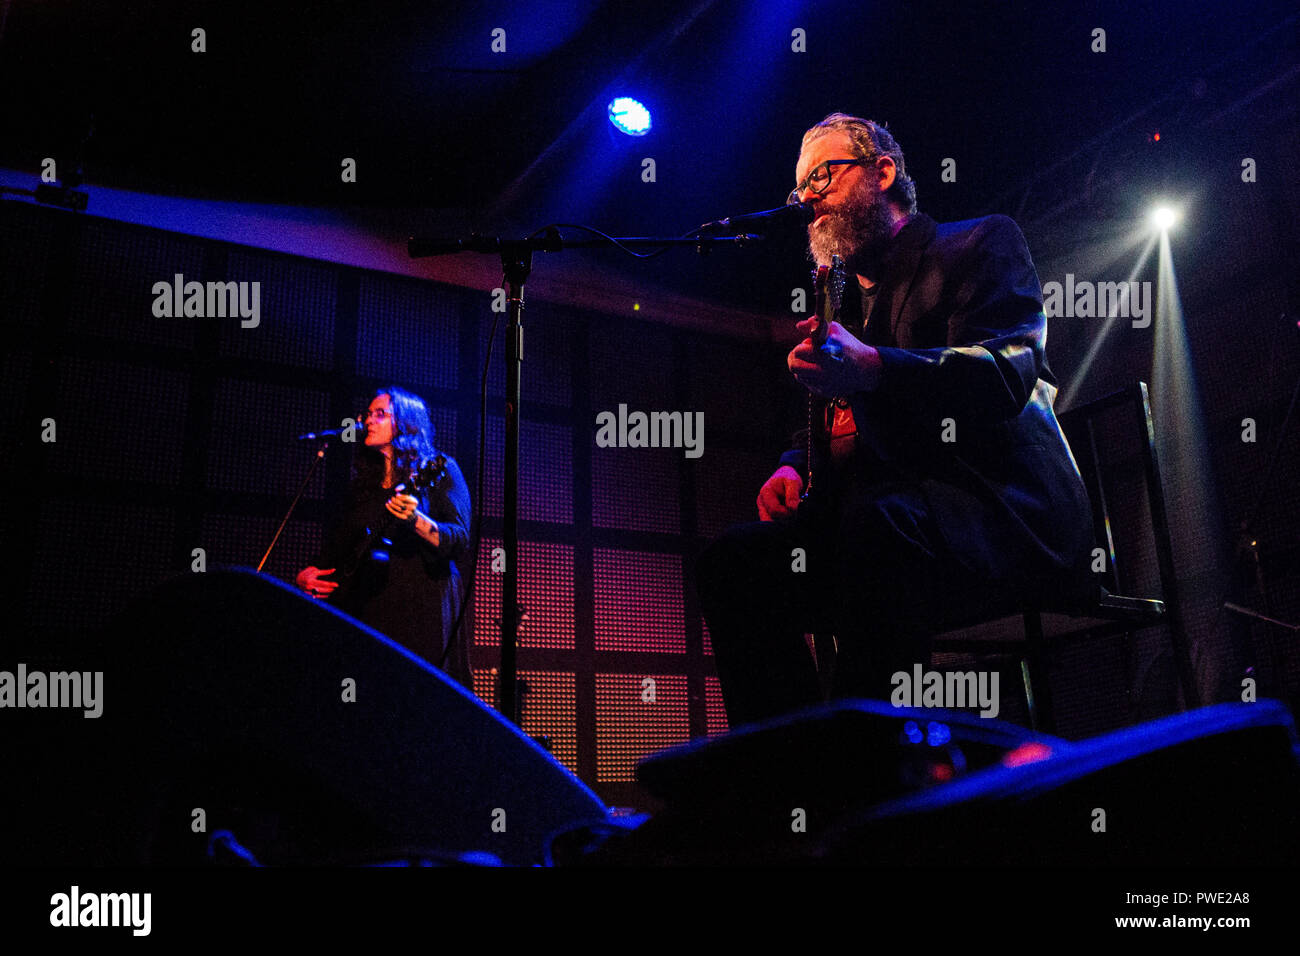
(779,497)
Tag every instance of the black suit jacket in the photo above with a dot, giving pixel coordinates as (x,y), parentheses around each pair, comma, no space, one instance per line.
(964,412)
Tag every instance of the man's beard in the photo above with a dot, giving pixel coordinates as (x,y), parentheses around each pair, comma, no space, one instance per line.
(858,233)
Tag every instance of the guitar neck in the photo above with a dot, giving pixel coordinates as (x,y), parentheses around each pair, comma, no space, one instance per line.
(828,287)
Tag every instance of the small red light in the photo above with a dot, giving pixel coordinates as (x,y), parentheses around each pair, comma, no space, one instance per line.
(940,772)
(1026,753)
(1156,137)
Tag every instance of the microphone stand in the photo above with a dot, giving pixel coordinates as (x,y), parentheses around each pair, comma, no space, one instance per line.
(315,463)
(516,264)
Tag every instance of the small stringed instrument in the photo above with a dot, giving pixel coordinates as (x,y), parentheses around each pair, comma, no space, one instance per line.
(828,288)
(374,548)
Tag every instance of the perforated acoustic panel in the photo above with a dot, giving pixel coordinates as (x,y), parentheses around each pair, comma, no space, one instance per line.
(408,331)
(639,602)
(118,421)
(252,448)
(636,489)
(25,240)
(628,364)
(733,380)
(444,438)
(90,559)
(112,285)
(715,709)
(545,471)
(241,540)
(545,591)
(549,710)
(296,304)
(726,488)
(546,375)
(635,719)
(15,378)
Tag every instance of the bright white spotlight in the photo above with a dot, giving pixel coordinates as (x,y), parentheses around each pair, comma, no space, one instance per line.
(1164,217)
(629,116)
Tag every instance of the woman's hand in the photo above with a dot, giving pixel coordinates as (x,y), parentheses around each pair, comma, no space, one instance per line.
(310,580)
(405,508)
(402,507)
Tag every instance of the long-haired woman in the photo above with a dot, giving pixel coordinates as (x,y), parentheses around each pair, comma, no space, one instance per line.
(410,590)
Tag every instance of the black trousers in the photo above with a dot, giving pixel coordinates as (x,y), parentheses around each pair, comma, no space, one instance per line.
(871,568)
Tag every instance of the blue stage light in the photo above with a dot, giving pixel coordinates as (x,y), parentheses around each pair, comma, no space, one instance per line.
(629,116)
(937,734)
(912,733)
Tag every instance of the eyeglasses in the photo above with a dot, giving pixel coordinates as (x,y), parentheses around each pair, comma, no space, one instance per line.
(378,415)
(819,179)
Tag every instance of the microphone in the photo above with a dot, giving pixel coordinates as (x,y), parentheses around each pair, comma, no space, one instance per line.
(330,433)
(800,213)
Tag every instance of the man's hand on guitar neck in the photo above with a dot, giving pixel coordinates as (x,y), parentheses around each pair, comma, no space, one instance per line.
(842,367)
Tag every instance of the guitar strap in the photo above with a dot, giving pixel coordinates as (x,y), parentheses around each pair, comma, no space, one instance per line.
(853,305)
(858,310)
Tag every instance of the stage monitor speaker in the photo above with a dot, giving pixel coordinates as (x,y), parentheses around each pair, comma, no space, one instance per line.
(1216,786)
(752,795)
(862,782)
(233,703)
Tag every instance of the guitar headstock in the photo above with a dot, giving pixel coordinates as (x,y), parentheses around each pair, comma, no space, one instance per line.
(430,474)
(828,289)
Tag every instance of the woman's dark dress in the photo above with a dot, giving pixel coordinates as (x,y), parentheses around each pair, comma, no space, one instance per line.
(414,597)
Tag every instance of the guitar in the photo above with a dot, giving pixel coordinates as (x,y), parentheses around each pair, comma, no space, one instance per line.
(373,551)
(828,288)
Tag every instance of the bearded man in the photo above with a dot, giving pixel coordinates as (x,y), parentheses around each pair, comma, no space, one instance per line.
(948,489)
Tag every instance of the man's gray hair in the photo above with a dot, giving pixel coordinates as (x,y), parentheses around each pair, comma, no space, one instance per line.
(871,141)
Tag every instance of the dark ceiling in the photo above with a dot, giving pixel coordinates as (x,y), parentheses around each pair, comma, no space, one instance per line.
(514,140)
